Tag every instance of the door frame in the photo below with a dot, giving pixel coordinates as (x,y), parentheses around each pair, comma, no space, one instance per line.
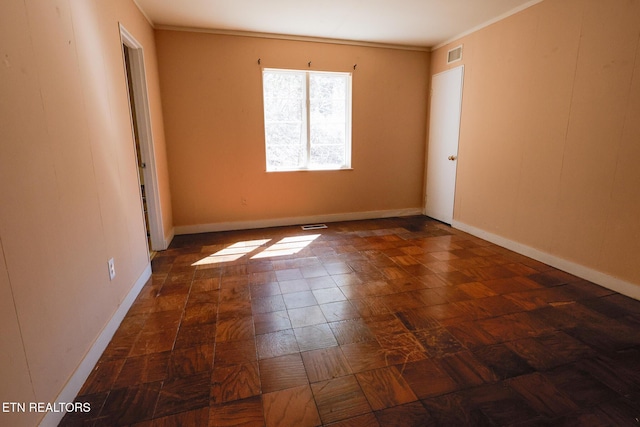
(145,135)
(459,91)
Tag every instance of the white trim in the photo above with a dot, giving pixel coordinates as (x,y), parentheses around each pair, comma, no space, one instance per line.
(279,222)
(145,133)
(82,372)
(610,282)
(144,14)
(292,38)
(487,23)
(305,140)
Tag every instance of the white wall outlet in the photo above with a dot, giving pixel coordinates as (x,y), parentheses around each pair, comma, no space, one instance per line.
(112,269)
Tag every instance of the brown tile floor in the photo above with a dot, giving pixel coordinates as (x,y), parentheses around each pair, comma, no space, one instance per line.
(395,322)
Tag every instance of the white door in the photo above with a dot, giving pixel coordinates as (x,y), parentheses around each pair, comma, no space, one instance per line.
(444,132)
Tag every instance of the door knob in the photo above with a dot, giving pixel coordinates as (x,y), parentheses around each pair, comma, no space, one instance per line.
(452,158)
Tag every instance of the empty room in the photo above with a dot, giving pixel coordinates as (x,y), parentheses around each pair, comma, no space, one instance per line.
(341,213)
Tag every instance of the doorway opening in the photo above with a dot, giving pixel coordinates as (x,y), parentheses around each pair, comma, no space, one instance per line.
(141,127)
(136,137)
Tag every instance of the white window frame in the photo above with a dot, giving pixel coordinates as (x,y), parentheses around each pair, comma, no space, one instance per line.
(306,123)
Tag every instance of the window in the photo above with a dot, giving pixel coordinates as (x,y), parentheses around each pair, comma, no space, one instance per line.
(307,120)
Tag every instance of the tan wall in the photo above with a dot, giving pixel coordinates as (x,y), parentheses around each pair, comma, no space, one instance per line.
(69,198)
(550,135)
(212,98)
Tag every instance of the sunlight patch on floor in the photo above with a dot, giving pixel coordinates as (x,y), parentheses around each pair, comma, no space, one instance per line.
(287,246)
(233,252)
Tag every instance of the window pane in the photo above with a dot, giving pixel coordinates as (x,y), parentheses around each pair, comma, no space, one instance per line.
(328,110)
(284,156)
(328,144)
(284,149)
(327,134)
(284,133)
(283,110)
(283,85)
(284,119)
(327,155)
(327,86)
(328,94)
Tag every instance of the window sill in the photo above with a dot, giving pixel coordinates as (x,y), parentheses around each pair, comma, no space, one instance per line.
(308,170)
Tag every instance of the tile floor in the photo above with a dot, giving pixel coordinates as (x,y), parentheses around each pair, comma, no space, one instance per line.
(393,322)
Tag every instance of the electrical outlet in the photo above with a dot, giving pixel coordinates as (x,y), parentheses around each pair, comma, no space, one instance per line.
(112,269)
(243,201)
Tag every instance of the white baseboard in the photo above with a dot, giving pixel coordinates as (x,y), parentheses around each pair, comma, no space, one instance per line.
(279,222)
(610,282)
(77,380)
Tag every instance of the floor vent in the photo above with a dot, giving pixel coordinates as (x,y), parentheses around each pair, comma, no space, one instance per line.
(454,54)
(313,227)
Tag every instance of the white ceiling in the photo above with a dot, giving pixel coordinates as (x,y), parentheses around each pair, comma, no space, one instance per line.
(425,23)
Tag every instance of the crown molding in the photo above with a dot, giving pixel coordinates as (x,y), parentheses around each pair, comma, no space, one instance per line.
(487,23)
(237,33)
